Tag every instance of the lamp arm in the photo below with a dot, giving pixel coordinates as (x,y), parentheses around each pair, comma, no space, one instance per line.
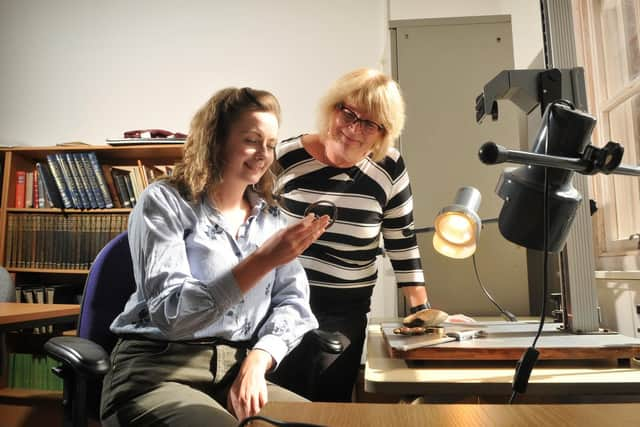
(407,232)
(593,160)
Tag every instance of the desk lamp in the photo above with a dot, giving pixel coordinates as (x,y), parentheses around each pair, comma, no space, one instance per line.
(457,226)
(457,232)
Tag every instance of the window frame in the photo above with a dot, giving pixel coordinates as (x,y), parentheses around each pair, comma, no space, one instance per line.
(617,211)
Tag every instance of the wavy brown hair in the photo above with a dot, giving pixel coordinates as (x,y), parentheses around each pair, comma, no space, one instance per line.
(200,169)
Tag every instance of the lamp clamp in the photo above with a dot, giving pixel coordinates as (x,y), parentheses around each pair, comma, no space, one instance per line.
(602,160)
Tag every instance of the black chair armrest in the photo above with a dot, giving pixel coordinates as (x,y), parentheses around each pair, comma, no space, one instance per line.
(331,342)
(83,356)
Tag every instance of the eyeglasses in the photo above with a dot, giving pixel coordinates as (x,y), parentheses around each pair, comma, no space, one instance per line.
(348,117)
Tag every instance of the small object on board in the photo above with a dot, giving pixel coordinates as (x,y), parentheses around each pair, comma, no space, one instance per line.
(419,330)
(426,318)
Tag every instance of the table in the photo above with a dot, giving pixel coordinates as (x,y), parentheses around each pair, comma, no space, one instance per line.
(453,380)
(21,315)
(401,415)
(14,316)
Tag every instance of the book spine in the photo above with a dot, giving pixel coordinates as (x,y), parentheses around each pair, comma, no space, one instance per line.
(39,298)
(90,181)
(59,180)
(21,178)
(41,190)
(106,171)
(77,179)
(51,192)
(121,185)
(129,183)
(19,233)
(28,190)
(10,248)
(95,165)
(69,181)
(26,236)
(36,189)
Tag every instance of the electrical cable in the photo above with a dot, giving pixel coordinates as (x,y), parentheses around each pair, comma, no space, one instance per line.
(530,356)
(275,422)
(507,314)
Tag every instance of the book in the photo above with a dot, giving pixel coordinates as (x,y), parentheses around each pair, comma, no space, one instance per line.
(78,182)
(106,171)
(122,187)
(90,180)
(50,187)
(41,189)
(69,182)
(56,173)
(36,189)
(38,294)
(28,190)
(29,299)
(21,178)
(153,172)
(97,170)
(137,183)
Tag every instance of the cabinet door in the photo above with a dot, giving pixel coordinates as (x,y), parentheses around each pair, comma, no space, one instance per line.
(442,65)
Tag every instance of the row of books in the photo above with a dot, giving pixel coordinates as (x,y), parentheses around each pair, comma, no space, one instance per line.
(39,296)
(77,180)
(49,240)
(127,182)
(33,371)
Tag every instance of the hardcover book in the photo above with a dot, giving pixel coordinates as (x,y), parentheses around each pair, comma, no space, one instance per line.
(50,187)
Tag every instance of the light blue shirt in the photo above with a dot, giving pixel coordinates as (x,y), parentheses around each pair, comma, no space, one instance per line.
(183,254)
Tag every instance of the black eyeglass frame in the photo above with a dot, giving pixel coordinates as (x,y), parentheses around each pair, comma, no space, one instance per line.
(343,109)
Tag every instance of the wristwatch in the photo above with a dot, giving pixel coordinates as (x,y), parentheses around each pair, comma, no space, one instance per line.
(419,307)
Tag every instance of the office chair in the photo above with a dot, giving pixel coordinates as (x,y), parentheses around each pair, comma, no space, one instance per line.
(85,357)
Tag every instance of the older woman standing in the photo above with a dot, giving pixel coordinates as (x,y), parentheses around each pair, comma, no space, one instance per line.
(352,163)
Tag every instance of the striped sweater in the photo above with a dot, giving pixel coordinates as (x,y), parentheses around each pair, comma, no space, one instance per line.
(372,199)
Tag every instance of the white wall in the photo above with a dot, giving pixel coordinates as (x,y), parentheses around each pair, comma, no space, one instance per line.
(86,70)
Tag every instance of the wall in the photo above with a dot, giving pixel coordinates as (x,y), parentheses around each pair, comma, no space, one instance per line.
(77,70)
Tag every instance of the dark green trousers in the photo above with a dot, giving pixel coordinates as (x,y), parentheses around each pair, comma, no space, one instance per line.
(173,384)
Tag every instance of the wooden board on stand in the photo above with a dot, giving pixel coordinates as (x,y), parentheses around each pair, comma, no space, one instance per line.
(507,340)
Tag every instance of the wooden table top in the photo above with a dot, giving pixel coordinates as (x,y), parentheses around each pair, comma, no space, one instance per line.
(404,415)
(17,313)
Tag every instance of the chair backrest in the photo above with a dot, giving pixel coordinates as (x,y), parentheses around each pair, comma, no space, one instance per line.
(108,286)
(7,288)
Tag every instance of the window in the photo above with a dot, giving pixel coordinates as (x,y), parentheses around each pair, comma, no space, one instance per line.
(607,39)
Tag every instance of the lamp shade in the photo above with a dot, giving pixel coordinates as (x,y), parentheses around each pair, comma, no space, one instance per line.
(457,226)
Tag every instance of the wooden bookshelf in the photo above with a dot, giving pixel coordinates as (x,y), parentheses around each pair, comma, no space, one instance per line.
(21,226)
(25,158)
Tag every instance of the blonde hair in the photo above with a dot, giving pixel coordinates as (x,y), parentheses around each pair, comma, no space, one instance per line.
(374,92)
(202,163)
